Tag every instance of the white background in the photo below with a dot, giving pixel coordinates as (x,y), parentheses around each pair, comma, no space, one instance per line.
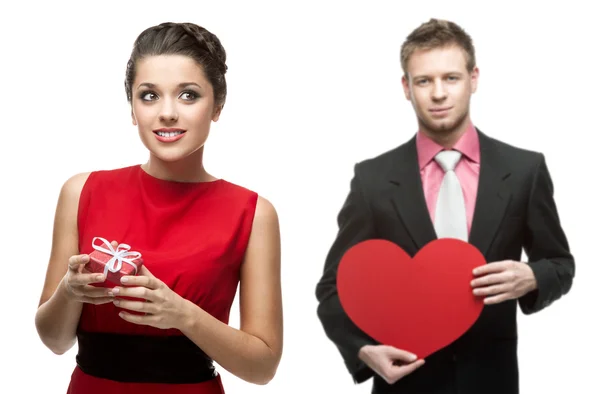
(313,88)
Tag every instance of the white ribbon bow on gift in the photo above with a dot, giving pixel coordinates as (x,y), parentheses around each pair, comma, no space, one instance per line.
(120,255)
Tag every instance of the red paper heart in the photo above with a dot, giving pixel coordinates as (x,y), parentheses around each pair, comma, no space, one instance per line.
(419,305)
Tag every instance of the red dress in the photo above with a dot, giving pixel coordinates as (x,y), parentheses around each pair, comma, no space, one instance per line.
(192,236)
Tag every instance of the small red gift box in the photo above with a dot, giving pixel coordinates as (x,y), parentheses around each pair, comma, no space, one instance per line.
(114,263)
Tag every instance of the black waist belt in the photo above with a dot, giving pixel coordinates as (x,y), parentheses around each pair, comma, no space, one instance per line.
(143,359)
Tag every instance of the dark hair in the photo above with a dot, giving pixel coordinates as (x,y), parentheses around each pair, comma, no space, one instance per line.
(437,33)
(185,39)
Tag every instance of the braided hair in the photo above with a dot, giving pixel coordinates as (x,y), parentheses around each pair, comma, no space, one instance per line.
(186,39)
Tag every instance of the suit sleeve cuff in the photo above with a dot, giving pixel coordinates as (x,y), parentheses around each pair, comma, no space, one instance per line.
(541,297)
(358,369)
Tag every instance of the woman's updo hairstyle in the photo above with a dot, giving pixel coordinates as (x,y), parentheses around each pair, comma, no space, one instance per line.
(185,39)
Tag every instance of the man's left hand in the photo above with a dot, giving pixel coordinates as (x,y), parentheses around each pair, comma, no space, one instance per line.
(503,280)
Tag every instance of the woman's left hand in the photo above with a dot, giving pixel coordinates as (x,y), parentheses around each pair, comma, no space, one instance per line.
(163,307)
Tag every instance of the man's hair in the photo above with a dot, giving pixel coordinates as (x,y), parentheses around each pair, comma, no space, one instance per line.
(437,33)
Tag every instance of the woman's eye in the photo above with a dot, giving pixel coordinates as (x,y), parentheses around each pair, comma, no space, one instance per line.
(148,96)
(189,96)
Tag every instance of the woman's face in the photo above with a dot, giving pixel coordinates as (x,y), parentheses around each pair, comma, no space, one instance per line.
(172,105)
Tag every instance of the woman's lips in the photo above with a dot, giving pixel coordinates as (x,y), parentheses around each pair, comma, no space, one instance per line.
(169,135)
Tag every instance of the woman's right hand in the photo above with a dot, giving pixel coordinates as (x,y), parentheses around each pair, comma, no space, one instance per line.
(77,283)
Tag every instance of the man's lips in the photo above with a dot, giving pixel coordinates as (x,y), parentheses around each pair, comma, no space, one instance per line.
(442,109)
(440,112)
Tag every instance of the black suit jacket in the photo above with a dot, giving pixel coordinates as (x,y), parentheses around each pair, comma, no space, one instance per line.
(514,211)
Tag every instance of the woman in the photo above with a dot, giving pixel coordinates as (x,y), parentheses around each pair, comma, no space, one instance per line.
(160,329)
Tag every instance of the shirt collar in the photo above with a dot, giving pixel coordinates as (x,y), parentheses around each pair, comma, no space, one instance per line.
(467,145)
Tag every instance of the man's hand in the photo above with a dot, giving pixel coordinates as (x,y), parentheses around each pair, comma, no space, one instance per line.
(503,280)
(388,362)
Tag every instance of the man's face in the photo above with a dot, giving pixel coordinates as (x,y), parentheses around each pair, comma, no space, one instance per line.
(440,87)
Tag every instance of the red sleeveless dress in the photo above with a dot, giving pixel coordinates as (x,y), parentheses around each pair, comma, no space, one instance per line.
(192,236)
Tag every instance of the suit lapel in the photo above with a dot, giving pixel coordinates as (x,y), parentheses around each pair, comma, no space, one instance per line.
(492,199)
(408,196)
(493,195)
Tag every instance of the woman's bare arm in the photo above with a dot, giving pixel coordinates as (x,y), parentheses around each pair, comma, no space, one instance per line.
(58,314)
(253,352)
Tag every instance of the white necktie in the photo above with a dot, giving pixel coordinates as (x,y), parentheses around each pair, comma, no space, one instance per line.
(450,212)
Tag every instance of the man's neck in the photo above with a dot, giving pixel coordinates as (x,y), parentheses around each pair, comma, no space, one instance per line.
(448,138)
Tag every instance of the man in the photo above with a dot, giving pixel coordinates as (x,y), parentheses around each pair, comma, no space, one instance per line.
(451,180)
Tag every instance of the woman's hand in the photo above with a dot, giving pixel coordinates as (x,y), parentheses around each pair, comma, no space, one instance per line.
(77,283)
(163,307)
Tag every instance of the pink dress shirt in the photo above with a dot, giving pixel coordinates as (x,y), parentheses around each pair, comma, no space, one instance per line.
(467,170)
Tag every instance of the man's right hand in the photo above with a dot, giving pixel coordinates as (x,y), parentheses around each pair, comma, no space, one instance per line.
(390,363)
